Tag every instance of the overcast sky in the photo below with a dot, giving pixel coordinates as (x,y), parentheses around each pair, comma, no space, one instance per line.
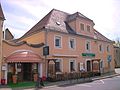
(21,15)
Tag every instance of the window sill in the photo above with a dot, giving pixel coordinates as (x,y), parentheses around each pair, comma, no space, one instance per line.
(59,72)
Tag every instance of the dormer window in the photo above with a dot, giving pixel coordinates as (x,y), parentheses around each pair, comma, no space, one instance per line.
(82,26)
(58,23)
(88,28)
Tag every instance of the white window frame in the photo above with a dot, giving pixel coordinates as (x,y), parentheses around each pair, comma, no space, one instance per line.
(108,48)
(74,44)
(83,26)
(74,61)
(86,64)
(102,48)
(87,28)
(55,37)
(61,63)
(89,46)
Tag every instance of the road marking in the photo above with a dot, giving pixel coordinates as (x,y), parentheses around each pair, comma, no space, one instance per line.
(84,85)
(102,81)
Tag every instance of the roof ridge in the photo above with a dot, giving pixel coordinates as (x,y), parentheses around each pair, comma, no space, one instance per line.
(60,11)
(44,20)
(102,35)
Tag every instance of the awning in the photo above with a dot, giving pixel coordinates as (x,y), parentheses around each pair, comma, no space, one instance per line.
(96,59)
(24,56)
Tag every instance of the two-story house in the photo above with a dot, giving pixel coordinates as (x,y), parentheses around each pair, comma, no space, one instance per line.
(73,44)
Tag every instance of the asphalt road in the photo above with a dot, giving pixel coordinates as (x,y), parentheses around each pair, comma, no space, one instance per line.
(104,84)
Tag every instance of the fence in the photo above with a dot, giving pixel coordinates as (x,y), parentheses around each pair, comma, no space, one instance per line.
(70,76)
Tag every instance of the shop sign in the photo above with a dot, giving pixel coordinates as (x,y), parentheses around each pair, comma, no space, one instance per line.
(88,54)
(46,50)
(4,67)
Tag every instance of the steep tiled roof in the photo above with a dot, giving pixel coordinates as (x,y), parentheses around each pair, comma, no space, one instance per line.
(1,13)
(58,20)
(99,36)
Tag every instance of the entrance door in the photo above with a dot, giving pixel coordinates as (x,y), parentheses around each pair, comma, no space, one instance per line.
(88,66)
(27,71)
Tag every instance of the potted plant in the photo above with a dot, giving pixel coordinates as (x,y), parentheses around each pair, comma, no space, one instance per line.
(14,78)
(35,76)
(9,76)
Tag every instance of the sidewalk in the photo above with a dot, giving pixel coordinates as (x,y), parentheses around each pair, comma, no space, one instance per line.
(70,82)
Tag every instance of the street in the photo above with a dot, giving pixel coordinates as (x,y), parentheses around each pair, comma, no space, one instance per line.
(104,84)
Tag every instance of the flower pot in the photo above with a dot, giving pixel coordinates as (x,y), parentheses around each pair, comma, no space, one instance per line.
(14,77)
(35,77)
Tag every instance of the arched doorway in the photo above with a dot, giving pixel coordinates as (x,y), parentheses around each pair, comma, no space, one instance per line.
(24,63)
(88,66)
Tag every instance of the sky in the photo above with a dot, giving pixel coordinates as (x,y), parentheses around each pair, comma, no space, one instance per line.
(22,15)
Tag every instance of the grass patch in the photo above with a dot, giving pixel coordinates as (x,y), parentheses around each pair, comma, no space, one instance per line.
(24,84)
(21,84)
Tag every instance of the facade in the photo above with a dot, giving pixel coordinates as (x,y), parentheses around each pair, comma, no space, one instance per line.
(117,56)
(73,44)
(2,18)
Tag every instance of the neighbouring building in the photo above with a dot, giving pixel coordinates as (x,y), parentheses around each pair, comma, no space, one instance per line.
(71,42)
(7,35)
(117,56)
(2,18)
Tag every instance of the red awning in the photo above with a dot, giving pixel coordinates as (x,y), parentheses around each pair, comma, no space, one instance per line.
(24,56)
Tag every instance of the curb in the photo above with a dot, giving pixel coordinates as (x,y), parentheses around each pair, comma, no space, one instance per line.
(64,84)
(104,77)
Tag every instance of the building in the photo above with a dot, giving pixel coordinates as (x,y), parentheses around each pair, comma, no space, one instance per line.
(117,56)
(2,18)
(7,35)
(73,44)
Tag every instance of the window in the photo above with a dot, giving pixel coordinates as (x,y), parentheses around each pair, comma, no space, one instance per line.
(72,65)
(58,41)
(88,28)
(101,48)
(58,65)
(101,64)
(72,43)
(82,26)
(108,48)
(88,46)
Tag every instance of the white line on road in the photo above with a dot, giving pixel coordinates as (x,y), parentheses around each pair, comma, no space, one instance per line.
(102,81)
(85,85)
